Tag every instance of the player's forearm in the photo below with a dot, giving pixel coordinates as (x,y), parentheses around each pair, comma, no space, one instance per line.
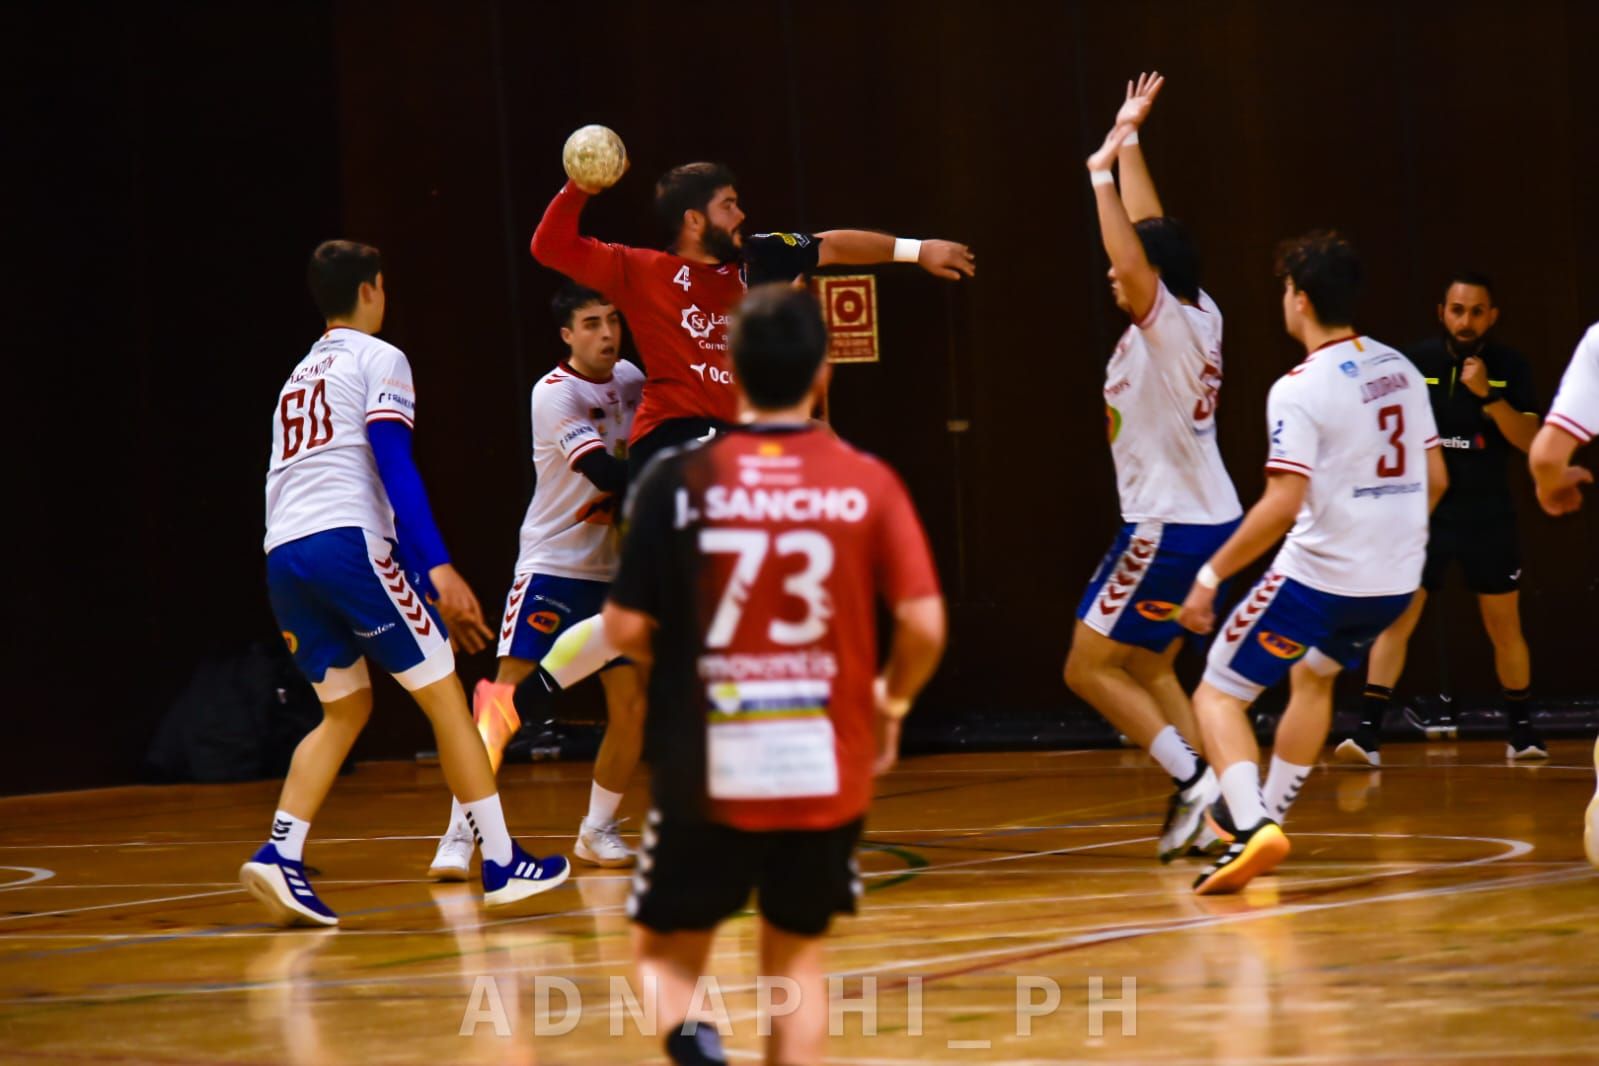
(920,630)
(402,482)
(857,247)
(1550,455)
(1138,186)
(1518,427)
(1265,524)
(1437,478)
(558,245)
(1125,250)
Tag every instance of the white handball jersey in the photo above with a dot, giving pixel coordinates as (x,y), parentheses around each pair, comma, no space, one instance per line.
(1161,389)
(569,528)
(1576,406)
(1355,419)
(322,475)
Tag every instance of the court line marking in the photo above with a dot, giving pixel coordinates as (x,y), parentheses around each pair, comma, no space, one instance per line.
(1097,934)
(112,906)
(35,875)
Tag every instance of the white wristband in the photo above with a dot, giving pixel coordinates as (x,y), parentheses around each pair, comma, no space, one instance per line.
(1206,578)
(907,250)
(1101,177)
(1131,138)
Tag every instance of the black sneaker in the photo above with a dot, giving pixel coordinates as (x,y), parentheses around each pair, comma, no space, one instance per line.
(1525,743)
(1361,749)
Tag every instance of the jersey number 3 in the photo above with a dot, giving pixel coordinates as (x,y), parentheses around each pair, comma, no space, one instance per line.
(1391,420)
(295,411)
(751,547)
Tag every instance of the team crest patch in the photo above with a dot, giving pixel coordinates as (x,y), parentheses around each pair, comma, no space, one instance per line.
(544,621)
(1281,646)
(1349,368)
(1157,610)
(292,641)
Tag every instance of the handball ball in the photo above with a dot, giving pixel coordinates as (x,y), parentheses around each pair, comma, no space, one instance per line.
(594,157)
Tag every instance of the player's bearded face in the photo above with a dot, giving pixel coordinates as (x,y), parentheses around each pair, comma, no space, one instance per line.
(1467,314)
(721,242)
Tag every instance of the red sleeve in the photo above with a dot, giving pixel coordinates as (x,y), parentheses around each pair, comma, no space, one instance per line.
(904,563)
(558,245)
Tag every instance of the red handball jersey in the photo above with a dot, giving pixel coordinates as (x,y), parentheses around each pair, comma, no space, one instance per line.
(763,556)
(677,309)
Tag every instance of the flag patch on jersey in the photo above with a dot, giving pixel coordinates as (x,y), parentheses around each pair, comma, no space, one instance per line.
(765,700)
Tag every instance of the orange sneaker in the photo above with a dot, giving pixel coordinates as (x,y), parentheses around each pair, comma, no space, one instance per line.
(494,714)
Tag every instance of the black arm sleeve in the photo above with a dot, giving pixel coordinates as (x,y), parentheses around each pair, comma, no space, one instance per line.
(780,256)
(606,471)
(647,547)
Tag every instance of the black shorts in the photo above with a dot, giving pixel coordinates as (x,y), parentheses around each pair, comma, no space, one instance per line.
(694,875)
(1488,550)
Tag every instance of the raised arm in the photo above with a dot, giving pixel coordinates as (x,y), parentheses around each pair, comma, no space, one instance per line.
(558,245)
(859,247)
(1138,188)
(1138,279)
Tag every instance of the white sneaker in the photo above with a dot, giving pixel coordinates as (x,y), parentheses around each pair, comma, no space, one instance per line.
(601,845)
(453,860)
(1186,813)
(1590,840)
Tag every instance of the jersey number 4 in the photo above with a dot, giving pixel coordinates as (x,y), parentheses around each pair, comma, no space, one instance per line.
(295,411)
(751,546)
(1391,420)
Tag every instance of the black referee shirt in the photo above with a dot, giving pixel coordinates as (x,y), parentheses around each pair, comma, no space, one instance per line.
(1475,452)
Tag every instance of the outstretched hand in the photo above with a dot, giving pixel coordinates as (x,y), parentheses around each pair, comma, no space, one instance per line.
(1140,98)
(947,259)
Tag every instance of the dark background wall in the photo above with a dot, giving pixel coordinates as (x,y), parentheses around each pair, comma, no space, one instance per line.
(174,165)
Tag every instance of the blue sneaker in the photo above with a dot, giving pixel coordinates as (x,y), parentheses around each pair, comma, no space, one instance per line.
(522,877)
(281,885)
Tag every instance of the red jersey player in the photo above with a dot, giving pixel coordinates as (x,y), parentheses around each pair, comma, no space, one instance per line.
(748,591)
(678,302)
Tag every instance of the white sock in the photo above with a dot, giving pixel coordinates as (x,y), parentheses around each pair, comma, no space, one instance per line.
(487,820)
(288,836)
(1282,786)
(457,817)
(1174,755)
(602,805)
(1240,784)
(578,652)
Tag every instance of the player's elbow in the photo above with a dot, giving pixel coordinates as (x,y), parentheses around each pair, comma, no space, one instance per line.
(923,626)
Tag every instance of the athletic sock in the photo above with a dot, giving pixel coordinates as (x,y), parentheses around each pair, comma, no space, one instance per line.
(1174,755)
(602,805)
(580,651)
(1517,709)
(1240,784)
(487,820)
(458,816)
(288,835)
(703,1048)
(1374,705)
(1283,781)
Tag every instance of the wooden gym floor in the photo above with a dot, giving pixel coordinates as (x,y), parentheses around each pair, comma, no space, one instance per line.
(1440,911)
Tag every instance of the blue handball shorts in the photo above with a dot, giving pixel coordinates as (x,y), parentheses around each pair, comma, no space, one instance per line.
(540,607)
(1140,586)
(339,596)
(1282,621)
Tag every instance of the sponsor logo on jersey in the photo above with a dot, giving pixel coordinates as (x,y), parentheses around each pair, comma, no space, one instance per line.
(291,641)
(1461,443)
(398,400)
(544,621)
(378,632)
(1349,368)
(700,324)
(1279,645)
(1157,610)
(706,370)
(1113,423)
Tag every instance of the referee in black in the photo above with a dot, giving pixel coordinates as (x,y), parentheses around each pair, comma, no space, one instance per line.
(1483,400)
